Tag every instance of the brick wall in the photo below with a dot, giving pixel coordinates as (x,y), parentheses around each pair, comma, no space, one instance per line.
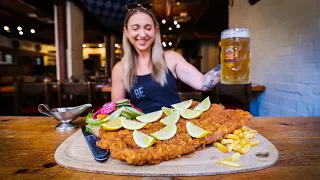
(285,43)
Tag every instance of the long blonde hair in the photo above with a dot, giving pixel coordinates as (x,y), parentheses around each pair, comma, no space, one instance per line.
(130,56)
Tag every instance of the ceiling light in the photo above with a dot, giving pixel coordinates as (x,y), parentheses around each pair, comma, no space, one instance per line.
(19,28)
(32,31)
(6,28)
(178,26)
(170,43)
(164,44)
(175,22)
(84,45)
(178,3)
(163,21)
(20,32)
(170,28)
(116,45)
(100,45)
(33,15)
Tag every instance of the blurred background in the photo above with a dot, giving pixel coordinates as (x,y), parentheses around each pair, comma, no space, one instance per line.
(62,52)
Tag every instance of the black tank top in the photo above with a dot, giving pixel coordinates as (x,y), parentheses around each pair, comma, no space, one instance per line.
(149,95)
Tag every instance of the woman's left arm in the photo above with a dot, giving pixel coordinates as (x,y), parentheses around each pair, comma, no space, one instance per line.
(191,76)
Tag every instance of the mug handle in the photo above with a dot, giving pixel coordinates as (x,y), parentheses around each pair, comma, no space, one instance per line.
(46,111)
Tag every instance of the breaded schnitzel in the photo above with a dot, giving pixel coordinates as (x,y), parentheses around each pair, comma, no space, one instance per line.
(217,121)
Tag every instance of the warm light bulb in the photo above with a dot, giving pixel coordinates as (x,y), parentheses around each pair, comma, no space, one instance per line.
(164,44)
(163,21)
(178,26)
(175,22)
(19,28)
(20,32)
(170,43)
(32,31)
(100,45)
(6,28)
(116,45)
(178,3)
(84,45)
(170,28)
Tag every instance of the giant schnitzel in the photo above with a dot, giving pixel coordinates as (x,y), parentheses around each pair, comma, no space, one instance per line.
(218,121)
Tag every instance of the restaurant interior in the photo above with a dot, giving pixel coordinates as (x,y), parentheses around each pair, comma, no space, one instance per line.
(61,53)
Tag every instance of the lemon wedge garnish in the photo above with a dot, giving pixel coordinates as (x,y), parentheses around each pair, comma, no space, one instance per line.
(132,125)
(195,131)
(150,117)
(190,114)
(173,118)
(143,140)
(204,105)
(112,125)
(183,104)
(165,133)
(168,111)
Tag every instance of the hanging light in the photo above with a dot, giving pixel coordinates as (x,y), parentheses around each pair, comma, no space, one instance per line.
(175,22)
(6,28)
(163,21)
(100,45)
(84,45)
(19,28)
(170,28)
(32,31)
(178,3)
(116,45)
(178,26)
(20,32)
(170,43)
(164,44)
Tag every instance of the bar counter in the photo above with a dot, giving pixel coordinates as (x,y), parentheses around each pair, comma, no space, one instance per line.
(28,144)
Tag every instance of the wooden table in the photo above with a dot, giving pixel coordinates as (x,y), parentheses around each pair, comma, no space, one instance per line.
(28,144)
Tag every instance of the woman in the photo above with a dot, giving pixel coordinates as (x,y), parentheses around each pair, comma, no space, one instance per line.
(146,73)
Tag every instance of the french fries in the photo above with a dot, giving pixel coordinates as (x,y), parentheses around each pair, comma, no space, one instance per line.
(230,163)
(240,141)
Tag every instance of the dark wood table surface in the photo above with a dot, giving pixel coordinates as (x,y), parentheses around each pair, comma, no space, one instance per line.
(28,144)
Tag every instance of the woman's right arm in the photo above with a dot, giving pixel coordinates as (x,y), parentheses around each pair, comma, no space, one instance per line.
(118,91)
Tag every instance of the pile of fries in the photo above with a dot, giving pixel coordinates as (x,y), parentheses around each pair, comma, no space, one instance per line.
(240,142)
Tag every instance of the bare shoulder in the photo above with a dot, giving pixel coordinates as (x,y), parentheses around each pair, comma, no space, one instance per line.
(117,69)
(172,56)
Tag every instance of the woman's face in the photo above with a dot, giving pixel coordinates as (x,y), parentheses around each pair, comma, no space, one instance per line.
(140,31)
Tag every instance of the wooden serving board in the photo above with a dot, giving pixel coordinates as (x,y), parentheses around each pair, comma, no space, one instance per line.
(74,153)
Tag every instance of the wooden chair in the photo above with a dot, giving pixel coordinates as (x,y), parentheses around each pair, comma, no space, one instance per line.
(29,95)
(196,96)
(235,96)
(74,94)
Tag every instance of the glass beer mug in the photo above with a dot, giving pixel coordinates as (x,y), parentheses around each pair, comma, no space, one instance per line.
(235,56)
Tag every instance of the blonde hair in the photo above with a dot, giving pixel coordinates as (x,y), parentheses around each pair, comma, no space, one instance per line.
(130,56)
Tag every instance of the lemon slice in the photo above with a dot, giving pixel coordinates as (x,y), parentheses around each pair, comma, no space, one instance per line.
(204,105)
(190,114)
(183,104)
(168,111)
(173,118)
(132,125)
(112,125)
(165,133)
(150,117)
(143,140)
(195,131)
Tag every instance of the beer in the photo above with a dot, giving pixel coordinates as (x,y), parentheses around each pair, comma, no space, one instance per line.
(235,56)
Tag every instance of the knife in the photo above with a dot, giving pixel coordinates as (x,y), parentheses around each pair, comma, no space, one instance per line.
(99,154)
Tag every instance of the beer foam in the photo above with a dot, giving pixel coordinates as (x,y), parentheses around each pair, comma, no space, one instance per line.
(235,32)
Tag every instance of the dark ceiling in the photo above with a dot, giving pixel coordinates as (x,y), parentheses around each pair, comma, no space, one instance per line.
(198,19)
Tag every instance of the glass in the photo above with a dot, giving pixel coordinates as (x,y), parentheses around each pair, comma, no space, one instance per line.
(235,56)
